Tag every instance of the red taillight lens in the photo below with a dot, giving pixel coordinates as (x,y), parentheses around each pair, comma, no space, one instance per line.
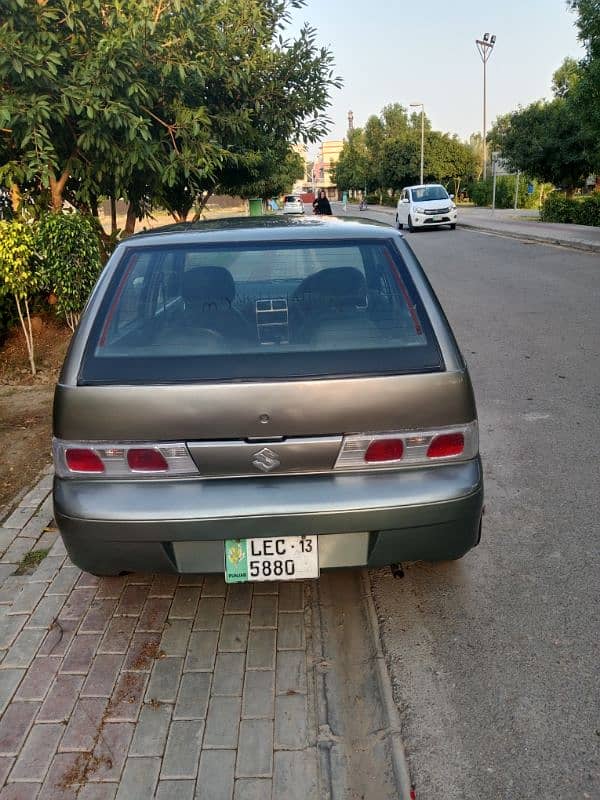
(144,459)
(83,460)
(384,450)
(448,444)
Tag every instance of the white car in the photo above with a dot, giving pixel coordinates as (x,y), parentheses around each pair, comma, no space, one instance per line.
(425,206)
(292,204)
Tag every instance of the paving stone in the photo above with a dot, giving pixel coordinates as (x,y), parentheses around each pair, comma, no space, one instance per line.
(139,579)
(154,614)
(295,775)
(291,671)
(239,598)
(58,548)
(87,581)
(164,585)
(14,727)
(175,637)
(6,537)
(37,752)
(132,601)
(252,789)
(208,616)
(151,731)
(11,678)
(192,699)
(6,570)
(176,790)
(58,639)
(291,722)
(65,777)
(291,596)
(18,550)
(143,651)
(9,629)
(102,675)
(98,791)
(19,518)
(259,694)
(61,699)
(185,602)
(98,616)
(216,775)
(214,586)
(34,497)
(264,611)
(118,635)
(46,541)
(65,580)
(36,526)
(39,678)
(202,651)
(81,653)
(47,610)
(183,749)
(110,751)
(229,674)
(266,587)
(290,631)
(234,632)
(23,649)
(11,587)
(164,680)
(47,569)
(222,722)
(191,580)
(6,763)
(261,649)
(20,791)
(139,779)
(78,603)
(28,598)
(255,749)
(82,729)
(110,588)
(127,697)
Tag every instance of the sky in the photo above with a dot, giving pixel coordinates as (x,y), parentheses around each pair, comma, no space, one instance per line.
(424,51)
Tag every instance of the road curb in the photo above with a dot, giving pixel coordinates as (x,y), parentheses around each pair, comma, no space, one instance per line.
(529,237)
(400,762)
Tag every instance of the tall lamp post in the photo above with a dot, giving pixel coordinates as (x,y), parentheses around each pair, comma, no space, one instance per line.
(485,47)
(422,107)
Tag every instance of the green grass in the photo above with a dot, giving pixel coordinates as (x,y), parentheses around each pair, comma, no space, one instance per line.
(31,562)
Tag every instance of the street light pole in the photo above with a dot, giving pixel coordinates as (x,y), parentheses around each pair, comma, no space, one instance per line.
(485,47)
(417,105)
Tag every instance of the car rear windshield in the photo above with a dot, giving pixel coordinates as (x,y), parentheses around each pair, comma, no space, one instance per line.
(259,311)
(291,199)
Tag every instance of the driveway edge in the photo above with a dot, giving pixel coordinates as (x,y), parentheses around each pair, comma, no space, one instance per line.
(400,762)
(527,237)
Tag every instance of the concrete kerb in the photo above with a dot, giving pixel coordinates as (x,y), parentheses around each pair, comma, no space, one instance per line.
(400,762)
(531,237)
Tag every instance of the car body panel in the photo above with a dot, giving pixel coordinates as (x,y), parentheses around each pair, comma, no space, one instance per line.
(293,204)
(425,213)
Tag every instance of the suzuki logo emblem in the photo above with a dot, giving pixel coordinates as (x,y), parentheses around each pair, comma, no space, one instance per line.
(266,460)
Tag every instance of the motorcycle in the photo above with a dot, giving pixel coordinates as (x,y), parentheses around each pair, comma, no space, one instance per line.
(363,205)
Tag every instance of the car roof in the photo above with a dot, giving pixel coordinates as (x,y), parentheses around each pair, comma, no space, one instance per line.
(262,229)
(424,186)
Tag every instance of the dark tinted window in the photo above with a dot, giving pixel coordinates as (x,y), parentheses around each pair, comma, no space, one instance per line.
(259,312)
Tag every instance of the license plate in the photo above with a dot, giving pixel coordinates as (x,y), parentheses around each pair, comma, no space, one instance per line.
(437,219)
(286,558)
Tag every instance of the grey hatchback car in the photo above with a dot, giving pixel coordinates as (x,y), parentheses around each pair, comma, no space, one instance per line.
(266,398)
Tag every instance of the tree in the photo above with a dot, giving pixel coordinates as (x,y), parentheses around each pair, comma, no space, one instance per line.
(566,78)
(18,274)
(585,97)
(130,98)
(351,169)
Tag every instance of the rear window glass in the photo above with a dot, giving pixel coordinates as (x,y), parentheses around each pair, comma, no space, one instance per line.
(262,311)
(291,199)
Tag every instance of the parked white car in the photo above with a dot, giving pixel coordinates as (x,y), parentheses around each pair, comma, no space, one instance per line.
(292,204)
(425,206)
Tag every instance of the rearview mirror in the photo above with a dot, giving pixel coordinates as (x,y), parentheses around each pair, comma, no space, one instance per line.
(451,197)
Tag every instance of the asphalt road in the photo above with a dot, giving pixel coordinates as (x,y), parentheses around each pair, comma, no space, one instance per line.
(495,659)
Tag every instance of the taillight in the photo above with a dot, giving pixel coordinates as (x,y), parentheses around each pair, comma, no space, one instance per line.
(409,448)
(144,459)
(447,444)
(384,450)
(122,460)
(82,459)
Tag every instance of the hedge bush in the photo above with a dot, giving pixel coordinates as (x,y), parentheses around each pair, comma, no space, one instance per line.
(580,211)
(480,192)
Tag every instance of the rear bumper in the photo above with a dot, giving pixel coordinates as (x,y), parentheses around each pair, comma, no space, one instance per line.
(180,525)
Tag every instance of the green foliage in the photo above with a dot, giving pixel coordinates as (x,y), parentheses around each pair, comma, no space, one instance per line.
(67,245)
(480,192)
(585,99)
(352,168)
(584,211)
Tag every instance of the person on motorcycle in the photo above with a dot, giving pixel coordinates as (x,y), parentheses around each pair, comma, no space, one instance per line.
(321,204)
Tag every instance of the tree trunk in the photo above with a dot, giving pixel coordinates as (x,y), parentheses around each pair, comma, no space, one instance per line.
(570,191)
(131,219)
(57,187)
(113,216)
(15,198)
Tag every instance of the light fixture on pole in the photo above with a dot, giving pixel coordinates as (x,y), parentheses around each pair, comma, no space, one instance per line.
(422,107)
(485,47)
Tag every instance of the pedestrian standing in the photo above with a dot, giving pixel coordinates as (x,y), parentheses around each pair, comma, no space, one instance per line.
(321,204)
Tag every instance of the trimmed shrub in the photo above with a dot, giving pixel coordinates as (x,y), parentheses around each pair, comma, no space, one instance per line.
(480,192)
(580,211)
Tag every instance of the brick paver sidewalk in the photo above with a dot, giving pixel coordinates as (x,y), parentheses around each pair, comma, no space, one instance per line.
(143,686)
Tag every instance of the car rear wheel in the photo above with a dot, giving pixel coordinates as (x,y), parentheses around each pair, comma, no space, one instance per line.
(411,227)
(398,223)
(453,226)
